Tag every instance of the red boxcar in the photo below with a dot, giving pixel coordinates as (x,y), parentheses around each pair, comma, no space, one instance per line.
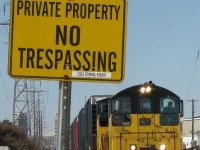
(75,133)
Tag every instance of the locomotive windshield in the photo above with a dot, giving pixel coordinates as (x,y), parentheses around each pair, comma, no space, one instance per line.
(121,105)
(145,105)
(121,108)
(169,105)
(169,108)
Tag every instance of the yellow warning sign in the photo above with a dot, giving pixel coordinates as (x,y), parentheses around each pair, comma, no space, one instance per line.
(80,40)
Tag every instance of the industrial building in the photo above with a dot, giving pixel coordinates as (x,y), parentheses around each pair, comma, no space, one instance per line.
(191,129)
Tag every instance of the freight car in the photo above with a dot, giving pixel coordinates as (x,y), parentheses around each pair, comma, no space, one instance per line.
(83,130)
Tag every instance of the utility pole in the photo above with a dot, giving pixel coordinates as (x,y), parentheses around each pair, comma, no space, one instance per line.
(193,144)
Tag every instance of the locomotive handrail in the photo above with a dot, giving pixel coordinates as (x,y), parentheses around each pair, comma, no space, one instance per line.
(147,133)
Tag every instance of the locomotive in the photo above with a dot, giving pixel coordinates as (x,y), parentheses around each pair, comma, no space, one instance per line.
(141,117)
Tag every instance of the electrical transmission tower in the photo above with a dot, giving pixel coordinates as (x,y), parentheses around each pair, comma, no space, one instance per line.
(20,102)
(27,103)
(36,114)
(21,109)
(27,112)
(21,105)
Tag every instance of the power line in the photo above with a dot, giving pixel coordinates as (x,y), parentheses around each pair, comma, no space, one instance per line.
(192,74)
(4,23)
(4,87)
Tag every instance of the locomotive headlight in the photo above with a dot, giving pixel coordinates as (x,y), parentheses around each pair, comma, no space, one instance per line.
(133,147)
(142,89)
(148,89)
(162,147)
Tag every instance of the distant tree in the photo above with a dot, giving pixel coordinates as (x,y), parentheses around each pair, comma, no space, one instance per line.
(15,138)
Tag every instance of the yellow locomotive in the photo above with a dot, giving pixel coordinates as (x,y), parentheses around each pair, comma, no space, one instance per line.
(142,117)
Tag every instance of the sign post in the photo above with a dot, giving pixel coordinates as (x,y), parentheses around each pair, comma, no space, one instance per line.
(64,115)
